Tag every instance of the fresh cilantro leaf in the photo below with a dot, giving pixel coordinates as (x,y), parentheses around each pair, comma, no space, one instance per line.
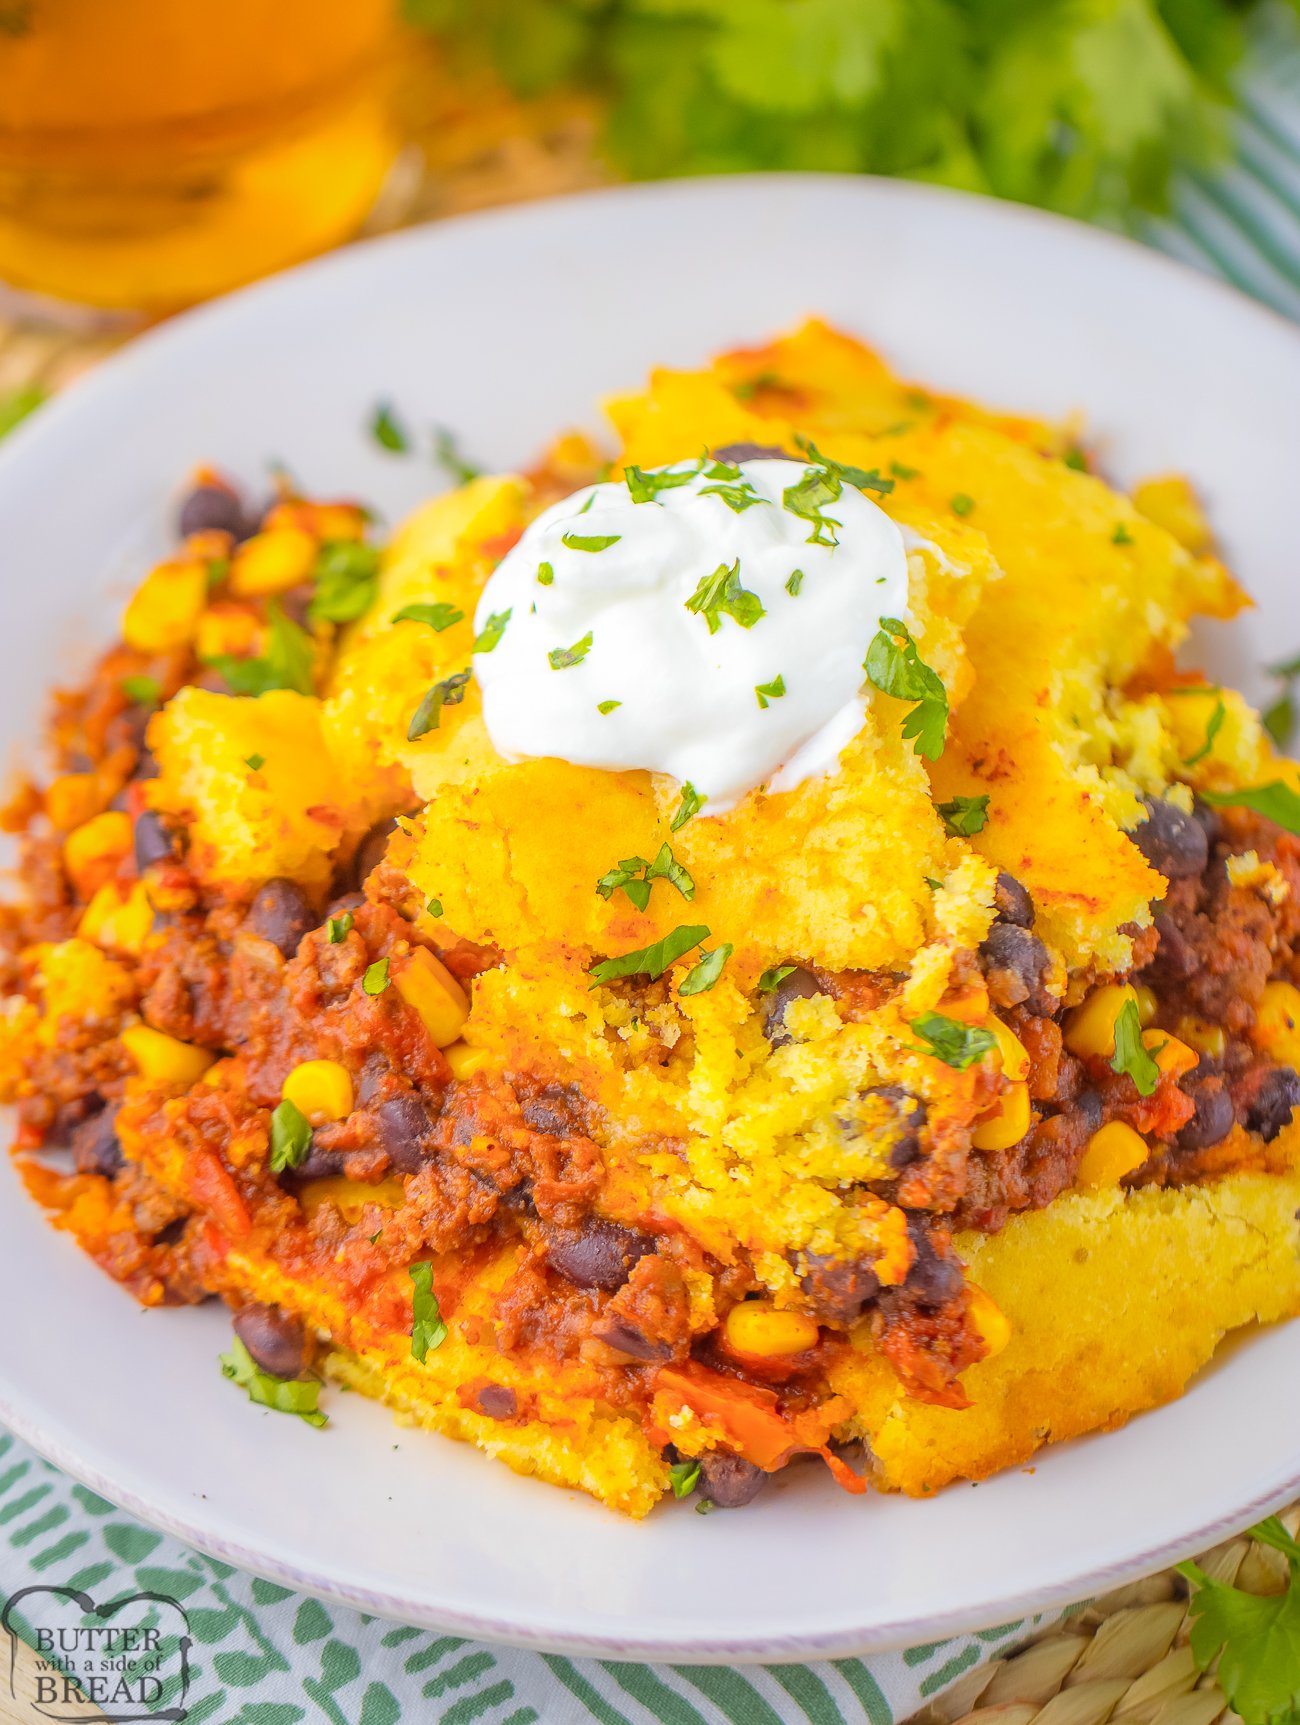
(439,616)
(683,1476)
(605,707)
(1212,729)
(770,691)
(772,978)
(545,575)
(142,691)
(347,580)
(561,658)
(1131,1053)
(702,976)
(896,668)
(737,497)
(645,486)
(1256,1637)
(450,692)
(340,927)
(1279,720)
(691,804)
(216,569)
(254,763)
(795,582)
(375,981)
(861,478)
(960,503)
(16,404)
(1076,458)
(705,1506)
(1286,668)
(283,1395)
(808,497)
(721,594)
(635,876)
(434,907)
(290,1136)
(899,471)
(1276,801)
(447,455)
(492,631)
(1121,535)
(650,961)
(957,1045)
(590,541)
(287,662)
(388,431)
(964,816)
(428,1329)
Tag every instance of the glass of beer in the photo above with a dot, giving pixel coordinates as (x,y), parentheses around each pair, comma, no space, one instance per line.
(155,152)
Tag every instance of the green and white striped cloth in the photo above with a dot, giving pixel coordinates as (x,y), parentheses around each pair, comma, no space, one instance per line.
(265,1656)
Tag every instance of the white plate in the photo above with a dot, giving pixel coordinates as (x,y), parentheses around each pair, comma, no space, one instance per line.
(506,327)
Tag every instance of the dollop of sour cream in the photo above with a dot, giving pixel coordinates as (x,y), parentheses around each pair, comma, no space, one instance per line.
(691,622)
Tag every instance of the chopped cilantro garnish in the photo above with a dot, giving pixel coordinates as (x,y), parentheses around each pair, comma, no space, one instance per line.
(683,1475)
(562,658)
(1255,1637)
(434,907)
(691,804)
(776,975)
(1131,1053)
(1121,535)
(635,876)
(492,631)
(388,431)
(1212,729)
(216,569)
(960,503)
(427,1327)
(545,575)
(1074,457)
(896,668)
(645,487)
(439,616)
(590,541)
(738,495)
(604,707)
(795,582)
(450,692)
(283,1395)
(286,664)
(899,471)
(448,456)
(701,977)
(721,594)
(347,580)
(1279,720)
(254,763)
(705,1506)
(340,927)
(651,961)
(748,387)
(964,816)
(957,1045)
(16,404)
(770,691)
(1276,801)
(375,981)
(807,499)
(142,691)
(861,478)
(290,1136)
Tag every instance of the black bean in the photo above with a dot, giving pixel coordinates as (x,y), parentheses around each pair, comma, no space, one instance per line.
(1012,902)
(600,1254)
(1214,1117)
(1175,956)
(346,901)
(318,1165)
(839,1291)
(1209,821)
(909,1113)
(627,1339)
(799,985)
(1016,966)
(281,914)
(370,852)
(1172,842)
(932,1280)
(153,839)
(275,1339)
(1275,1095)
(95,1145)
(557,1110)
(146,765)
(497,1401)
(734,452)
(1087,1104)
(211,508)
(729,1480)
(403,1125)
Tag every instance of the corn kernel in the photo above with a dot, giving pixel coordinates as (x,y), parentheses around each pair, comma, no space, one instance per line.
(1147,1004)
(162,1058)
(1171,503)
(1112,1152)
(229,629)
(1200,1033)
(117,918)
(322,1089)
(272,562)
(97,846)
(1008,1124)
(1090,1028)
(1015,1056)
(350,1197)
(1277,1022)
(165,609)
(989,1321)
(73,799)
(426,984)
(465,1059)
(1169,1054)
(756,1328)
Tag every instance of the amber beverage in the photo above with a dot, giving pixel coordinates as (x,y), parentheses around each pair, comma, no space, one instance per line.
(154,152)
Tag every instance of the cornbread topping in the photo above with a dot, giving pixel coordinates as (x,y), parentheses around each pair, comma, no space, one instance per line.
(706,620)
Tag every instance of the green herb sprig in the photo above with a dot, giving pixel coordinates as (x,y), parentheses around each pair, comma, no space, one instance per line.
(896,668)
(283,1395)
